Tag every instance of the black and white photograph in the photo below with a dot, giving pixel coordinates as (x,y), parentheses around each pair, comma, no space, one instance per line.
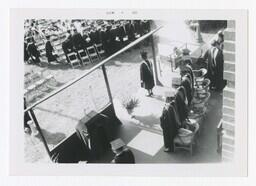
(129,90)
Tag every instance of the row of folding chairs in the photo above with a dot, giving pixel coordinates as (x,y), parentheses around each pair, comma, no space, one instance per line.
(37,87)
(86,56)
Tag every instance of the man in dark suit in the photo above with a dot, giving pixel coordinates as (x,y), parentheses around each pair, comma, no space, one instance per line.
(122,153)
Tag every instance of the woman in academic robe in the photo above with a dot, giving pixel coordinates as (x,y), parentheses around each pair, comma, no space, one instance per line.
(146,74)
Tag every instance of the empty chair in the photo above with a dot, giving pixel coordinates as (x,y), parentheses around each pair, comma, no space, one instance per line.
(73,60)
(35,77)
(51,81)
(31,92)
(84,56)
(100,50)
(40,84)
(92,53)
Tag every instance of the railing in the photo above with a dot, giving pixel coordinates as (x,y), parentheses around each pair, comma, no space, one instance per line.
(93,68)
(100,65)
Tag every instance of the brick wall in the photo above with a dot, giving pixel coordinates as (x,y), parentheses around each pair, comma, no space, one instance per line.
(228,118)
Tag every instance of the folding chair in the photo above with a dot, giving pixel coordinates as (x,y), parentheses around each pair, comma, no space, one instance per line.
(186,141)
(73,60)
(100,50)
(31,92)
(92,53)
(84,56)
(35,77)
(40,84)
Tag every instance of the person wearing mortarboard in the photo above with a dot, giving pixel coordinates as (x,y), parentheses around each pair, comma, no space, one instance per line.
(146,74)
(122,153)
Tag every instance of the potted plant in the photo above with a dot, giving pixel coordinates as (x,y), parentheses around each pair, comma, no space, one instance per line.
(130,103)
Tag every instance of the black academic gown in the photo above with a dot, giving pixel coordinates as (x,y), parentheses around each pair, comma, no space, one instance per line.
(169,125)
(33,52)
(211,66)
(26,116)
(219,70)
(126,156)
(131,32)
(49,50)
(77,41)
(146,75)
(182,109)
(26,55)
(186,83)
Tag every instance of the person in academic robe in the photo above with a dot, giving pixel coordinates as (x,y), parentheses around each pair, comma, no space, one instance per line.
(131,31)
(220,82)
(97,35)
(86,39)
(146,74)
(67,47)
(92,36)
(102,35)
(50,51)
(186,83)
(113,42)
(169,124)
(107,37)
(181,100)
(210,57)
(26,55)
(122,153)
(27,118)
(138,28)
(219,61)
(77,40)
(33,52)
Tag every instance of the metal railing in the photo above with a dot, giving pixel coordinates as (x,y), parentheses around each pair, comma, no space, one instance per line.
(93,68)
(100,65)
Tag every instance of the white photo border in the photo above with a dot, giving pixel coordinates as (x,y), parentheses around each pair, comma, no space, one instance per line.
(17,165)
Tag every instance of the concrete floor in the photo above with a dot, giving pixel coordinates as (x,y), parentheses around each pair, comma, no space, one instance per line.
(133,128)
